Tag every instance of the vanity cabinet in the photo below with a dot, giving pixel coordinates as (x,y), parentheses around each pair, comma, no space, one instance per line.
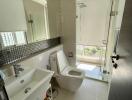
(40,93)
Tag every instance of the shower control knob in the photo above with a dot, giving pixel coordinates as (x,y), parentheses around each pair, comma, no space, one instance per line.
(115,65)
(113,60)
(117,57)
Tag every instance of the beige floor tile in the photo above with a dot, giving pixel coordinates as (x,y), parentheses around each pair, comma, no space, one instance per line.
(89,90)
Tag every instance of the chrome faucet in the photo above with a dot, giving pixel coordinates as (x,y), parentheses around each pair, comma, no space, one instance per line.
(17,69)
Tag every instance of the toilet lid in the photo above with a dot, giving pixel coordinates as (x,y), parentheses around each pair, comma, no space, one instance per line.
(62,61)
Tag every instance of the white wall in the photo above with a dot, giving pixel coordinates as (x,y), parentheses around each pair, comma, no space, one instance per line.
(40,60)
(92,27)
(12,16)
(68,11)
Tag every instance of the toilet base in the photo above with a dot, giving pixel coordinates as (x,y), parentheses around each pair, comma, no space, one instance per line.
(69,83)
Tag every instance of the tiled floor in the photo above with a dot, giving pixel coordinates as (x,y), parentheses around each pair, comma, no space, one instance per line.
(91,70)
(89,90)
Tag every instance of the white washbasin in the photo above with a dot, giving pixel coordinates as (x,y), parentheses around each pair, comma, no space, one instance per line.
(22,87)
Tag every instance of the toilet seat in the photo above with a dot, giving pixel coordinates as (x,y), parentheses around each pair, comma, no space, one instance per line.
(64,68)
(67,70)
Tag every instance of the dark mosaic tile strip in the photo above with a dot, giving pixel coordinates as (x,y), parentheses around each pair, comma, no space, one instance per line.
(12,54)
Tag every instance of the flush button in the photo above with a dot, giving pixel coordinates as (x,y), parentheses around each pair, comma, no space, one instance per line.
(22,81)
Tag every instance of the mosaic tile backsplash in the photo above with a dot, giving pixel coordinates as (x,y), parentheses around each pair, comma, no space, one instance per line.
(15,53)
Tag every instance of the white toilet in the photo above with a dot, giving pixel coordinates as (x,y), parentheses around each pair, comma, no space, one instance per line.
(69,78)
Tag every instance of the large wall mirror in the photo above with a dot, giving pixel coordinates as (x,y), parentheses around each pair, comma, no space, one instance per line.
(28,21)
(37,20)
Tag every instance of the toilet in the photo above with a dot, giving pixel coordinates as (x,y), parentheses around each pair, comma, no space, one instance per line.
(68,77)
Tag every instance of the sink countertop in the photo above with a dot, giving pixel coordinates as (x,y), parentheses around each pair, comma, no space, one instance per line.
(34,85)
(12,78)
(25,96)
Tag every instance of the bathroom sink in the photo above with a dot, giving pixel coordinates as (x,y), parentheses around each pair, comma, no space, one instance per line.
(22,87)
(74,73)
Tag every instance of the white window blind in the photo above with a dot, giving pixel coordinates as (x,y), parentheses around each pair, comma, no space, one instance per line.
(20,38)
(7,38)
(13,38)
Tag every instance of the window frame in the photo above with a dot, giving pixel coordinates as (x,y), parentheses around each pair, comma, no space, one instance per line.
(14,39)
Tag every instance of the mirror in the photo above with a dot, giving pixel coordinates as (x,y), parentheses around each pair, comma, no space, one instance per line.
(42,22)
(37,20)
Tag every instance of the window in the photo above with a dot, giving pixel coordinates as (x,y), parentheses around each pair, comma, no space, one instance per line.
(96,52)
(20,38)
(7,39)
(12,38)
